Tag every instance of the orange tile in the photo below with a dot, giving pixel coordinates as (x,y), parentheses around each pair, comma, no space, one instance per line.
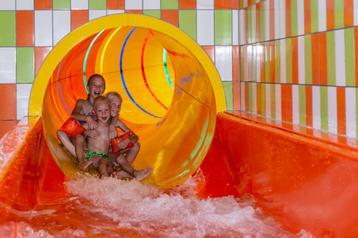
(43,4)
(78,18)
(330,14)
(8,107)
(171,16)
(40,55)
(25,28)
(223,4)
(6,126)
(348,12)
(187,4)
(115,4)
(210,50)
(341,110)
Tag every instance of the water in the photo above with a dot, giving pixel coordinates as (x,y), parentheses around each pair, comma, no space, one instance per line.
(113,208)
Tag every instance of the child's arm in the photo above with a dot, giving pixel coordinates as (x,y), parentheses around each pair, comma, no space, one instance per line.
(76,113)
(120,124)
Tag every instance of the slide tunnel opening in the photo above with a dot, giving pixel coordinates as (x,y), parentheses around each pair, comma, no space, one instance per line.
(165,79)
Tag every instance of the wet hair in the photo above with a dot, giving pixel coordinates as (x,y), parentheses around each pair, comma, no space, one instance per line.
(93,76)
(114,94)
(100,99)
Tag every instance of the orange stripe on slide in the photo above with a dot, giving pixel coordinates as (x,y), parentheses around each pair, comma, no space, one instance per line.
(330,14)
(286,103)
(307,16)
(288,18)
(235,75)
(348,12)
(341,110)
(295,60)
(309,106)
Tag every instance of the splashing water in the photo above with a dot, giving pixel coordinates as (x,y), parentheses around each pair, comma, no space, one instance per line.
(176,213)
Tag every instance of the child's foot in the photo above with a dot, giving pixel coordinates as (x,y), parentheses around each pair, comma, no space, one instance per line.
(84,165)
(122,175)
(142,174)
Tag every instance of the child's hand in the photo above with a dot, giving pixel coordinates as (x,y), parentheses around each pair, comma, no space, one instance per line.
(134,138)
(92,124)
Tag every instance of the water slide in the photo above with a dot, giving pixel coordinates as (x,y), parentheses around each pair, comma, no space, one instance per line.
(174,101)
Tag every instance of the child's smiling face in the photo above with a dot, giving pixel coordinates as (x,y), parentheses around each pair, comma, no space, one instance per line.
(116,104)
(96,87)
(102,110)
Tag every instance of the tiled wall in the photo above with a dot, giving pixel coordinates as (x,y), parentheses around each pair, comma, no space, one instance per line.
(299,63)
(29,29)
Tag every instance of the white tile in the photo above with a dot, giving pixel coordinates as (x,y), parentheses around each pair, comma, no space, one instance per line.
(43,28)
(340,58)
(295,105)
(332,110)
(355,12)
(282,13)
(111,12)
(133,4)
(7,4)
(22,100)
(151,4)
(24,4)
(235,27)
(300,17)
(278,102)
(93,14)
(205,4)
(205,29)
(223,62)
(277,18)
(61,24)
(7,65)
(283,60)
(79,4)
(301,60)
(322,15)
(351,112)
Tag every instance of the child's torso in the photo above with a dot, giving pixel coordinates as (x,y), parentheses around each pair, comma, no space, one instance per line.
(98,139)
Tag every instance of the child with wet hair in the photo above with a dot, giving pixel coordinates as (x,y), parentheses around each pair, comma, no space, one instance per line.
(71,132)
(125,147)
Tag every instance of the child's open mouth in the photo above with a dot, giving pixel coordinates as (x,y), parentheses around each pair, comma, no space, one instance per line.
(97,94)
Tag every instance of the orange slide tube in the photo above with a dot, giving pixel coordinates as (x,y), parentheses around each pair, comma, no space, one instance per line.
(304,182)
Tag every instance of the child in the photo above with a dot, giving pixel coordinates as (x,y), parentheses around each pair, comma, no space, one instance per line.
(125,147)
(70,133)
(99,143)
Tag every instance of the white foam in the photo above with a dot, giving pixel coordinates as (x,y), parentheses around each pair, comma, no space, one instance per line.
(176,213)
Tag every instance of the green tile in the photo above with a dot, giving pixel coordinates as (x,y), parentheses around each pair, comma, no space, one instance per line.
(61,4)
(223,27)
(228,95)
(25,64)
(7,28)
(187,22)
(153,13)
(169,4)
(97,4)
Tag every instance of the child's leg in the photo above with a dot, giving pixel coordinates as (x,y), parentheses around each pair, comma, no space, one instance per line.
(103,167)
(122,161)
(133,152)
(65,140)
(80,154)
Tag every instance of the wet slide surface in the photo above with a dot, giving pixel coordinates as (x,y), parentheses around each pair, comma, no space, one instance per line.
(37,199)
